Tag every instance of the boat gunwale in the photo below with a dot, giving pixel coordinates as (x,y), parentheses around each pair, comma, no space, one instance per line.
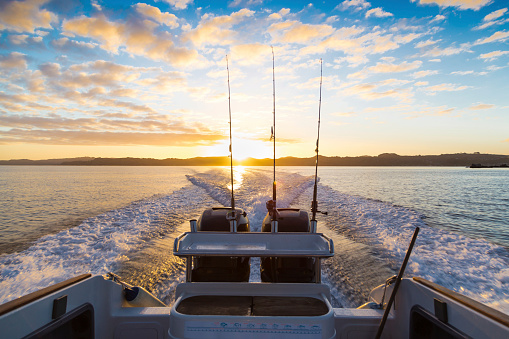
(39,294)
(487,311)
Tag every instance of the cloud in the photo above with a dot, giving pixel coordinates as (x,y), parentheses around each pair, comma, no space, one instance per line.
(497,36)
(481,107)
(445,88)
(124,92)
(462,72)
(426,43)
(109,129)
(245,3)
(495,15)
(369,91)
(13,60)
(250,54)
(136,36)
(386,68)
(421,83)
(297,32)
(378,12)
(491,19)
(18,39)
(96,73)
(438,18)
(350,41)
(279,15)
(50,70)
(314,83)
(217,30)
(422,74)
(155,13)
(108,138)
(25,16)
(356,5)
(437,51)
(166,82)
(493,55)
(461,4)
(66,44)
(179,4)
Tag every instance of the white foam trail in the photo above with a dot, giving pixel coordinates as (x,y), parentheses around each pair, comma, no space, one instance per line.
(98,245)
(474,267)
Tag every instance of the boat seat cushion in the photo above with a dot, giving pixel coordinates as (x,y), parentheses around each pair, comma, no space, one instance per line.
(261,306)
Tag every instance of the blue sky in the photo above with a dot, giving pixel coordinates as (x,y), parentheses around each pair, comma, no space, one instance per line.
(148,79)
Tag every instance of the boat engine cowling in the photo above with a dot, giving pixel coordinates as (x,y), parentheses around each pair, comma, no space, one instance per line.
(221,269)
(215,220)
(289,270)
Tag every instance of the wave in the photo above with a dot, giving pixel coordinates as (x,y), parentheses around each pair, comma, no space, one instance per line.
(99,244)
(379,233)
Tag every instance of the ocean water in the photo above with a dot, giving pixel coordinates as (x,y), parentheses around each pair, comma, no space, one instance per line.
(58,222)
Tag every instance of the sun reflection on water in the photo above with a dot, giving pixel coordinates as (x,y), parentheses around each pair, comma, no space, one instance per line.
(238,177)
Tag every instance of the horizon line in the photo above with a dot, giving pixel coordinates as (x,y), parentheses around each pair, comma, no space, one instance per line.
(251,158)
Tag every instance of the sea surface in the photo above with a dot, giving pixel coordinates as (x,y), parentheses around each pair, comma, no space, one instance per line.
(60,221)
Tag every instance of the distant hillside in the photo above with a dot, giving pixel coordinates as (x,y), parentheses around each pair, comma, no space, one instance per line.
(385,159)
(43,162)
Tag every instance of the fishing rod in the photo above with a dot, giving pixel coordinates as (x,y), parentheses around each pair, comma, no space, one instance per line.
(314,203)
(231,152)
(271,204)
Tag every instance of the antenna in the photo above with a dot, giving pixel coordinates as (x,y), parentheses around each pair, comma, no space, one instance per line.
(314,203)
(271,204)
(230,122)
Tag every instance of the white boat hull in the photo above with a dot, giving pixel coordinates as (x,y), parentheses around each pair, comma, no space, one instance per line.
(111,320)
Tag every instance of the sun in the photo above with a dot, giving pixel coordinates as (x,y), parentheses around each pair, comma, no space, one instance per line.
(249,148)
(242,149)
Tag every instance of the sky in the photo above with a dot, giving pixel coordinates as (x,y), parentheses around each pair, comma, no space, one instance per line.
(149,79)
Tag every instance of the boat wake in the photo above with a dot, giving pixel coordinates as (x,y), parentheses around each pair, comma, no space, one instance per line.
(370,238)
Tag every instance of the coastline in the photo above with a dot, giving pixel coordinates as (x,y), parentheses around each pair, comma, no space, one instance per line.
(473,160)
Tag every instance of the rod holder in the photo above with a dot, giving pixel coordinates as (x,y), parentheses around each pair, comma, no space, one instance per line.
(313,226)
(194,225)
(274,226)
(233,226)
(232,218)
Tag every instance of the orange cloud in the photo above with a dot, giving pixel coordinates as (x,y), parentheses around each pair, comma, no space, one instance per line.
(144,130)
(91,138)
(368,91)
(137,37)
(495,15)
(482,107)
(297,32)
(155,13)
(422,74)
(25,16)
(386,68)
(461,4)
(249,54)
(216,30)
(279,15)
(14,60)
(497,36)
(166,82)
(446,88)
